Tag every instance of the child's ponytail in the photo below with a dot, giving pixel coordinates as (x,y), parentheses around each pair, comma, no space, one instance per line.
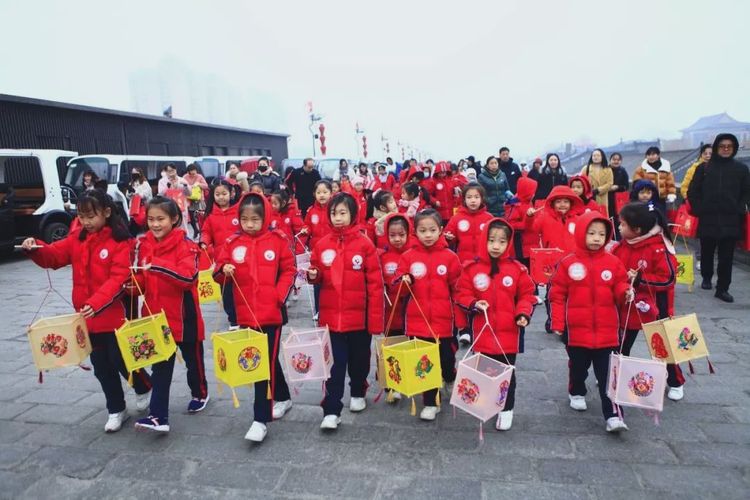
(645,216)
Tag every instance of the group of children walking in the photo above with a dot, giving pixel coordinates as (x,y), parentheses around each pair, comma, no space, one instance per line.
(436,269)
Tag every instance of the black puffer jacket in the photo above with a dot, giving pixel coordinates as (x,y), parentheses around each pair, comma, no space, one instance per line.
(271,182)
(719,194)
(549,178)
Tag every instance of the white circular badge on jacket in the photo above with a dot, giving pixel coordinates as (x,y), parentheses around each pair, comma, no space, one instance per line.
(418,270)
(577,271)
(507,281)
(390,268)
(104,254)
(238,254)
(606,275)
(287,221)
(439,186)
(314,218)
(463,225)
(441,270)
(481,282)
(327,256)
(269,255)
(235,222)
(572,228)
(357,262)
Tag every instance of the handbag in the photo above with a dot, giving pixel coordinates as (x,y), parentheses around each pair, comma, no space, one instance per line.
(196,193)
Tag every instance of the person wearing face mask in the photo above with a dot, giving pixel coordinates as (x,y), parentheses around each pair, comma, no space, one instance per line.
(267,176)
(139,185)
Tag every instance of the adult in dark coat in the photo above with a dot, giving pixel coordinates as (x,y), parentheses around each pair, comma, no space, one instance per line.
(302,183)
(496,188)
(551,175)
(719,195)
(511,170)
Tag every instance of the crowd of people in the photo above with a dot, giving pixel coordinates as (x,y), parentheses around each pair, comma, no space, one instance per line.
(436,251)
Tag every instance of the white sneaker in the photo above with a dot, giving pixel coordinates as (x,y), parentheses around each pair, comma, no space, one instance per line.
(504,420)
(578,403)
(330,422)
(464,339)
(295,295)
(233,328)
(115,420)
(315,317)
(142,401)
(256,433)
(615,424)
(280,408)
(392,397)
(357,404)
(429,413)
(676,393)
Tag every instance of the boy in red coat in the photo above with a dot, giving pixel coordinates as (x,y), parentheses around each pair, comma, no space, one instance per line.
(515,213)
(442,194)
(465,228)
(555,222)
(586,293)
(582,188)
(500,287)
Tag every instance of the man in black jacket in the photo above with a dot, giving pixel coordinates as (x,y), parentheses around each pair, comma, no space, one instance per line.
(302,183)
(719,195)
(265,175)
(511,170)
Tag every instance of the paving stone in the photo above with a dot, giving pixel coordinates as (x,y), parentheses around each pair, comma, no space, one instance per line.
(147,467)
(10,432)
(538,491)
(330,483)
(60,435)
(55,414)
(13,454)
(620,449)
(54,396)
(253,477)
(587,472)
(15,483)
(10,410)
(693,481)
(70,462)
(715,454)
(727,433)
(485,466)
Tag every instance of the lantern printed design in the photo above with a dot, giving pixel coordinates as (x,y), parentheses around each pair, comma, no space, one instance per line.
(383,367)
(208,289)
(543,263)
(241,357)
(468,391)
(482,385)
(413,366)
(54,344)
(303,264)
(685,268)
(59,341)
(145,341)
(635,382)
(307,354)
(676,340)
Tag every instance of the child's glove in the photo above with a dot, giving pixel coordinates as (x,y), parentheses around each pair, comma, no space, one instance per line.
(513,201)
(671,198)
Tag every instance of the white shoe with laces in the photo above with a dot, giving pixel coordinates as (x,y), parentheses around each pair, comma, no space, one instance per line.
(115,421)
(257,432)
(676,393)
(142,401)
(280,408)
(504,420)
(578,403)
(330,422)
(429,413)
(357,404)
(615,424)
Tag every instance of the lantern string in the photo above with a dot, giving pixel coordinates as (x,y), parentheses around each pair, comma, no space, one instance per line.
(244,299)
(393,309)
(424,317)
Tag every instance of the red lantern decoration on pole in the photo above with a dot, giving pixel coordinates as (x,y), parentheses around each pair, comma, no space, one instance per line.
(323,147)
(364,146)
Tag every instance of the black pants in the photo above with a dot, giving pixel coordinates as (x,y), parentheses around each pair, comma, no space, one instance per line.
(263,407)
(724,268)
(193,216)
(675,377)
(316,296)
(448,347)
(227,300)
(161,377)
(109,366)
(510,399)
(579,360)
(351,352)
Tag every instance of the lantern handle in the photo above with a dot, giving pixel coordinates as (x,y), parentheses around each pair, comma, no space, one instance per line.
(393,309)
(49,290)
(140,290)
(424,317)
(487,325)
(244,299)
(630,309)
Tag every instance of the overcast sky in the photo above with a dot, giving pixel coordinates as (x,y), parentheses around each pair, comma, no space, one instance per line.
(452,81)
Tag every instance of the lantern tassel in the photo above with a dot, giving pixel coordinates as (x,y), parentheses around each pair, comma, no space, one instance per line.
(413,408)
(690,365)
(235,399)
(379,395)
(437,398)
(179,357)
(41,378)
(268,391)
(710,367)
(481,432)
(130,379)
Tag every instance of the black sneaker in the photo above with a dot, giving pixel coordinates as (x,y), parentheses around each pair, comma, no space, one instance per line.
(196,404)
(724,295)
(706,284)
(152,423)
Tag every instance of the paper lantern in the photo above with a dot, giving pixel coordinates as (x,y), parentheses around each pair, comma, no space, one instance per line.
(308,355)
(685,269)
(676,340)
(208,289)
(543,263)
(59,341)
(303,264)
(412,367)
(686,224)
(481,386)
(145,341)
(635,382)
(380,362)
(241,357)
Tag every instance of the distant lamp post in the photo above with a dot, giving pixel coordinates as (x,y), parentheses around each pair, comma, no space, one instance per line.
(168,112)
(357,132)
(313,120)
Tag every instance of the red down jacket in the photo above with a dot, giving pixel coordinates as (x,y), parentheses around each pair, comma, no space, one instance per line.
(171,283)
(389,258)
(555,229)
(290,223)
(100,269)
(434,273)
(318,224)
(657,275)
(219,225)
(510,293)
(516,215)
(587,290)
(442,191)
(352,292)
(264,272)
(467,227)
(590,200)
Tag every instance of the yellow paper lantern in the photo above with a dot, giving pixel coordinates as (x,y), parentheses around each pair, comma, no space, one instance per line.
(59,341)
(685,269)
(208,289)
(241,357)
(412,367)
(676,340)
(380,342)
(145,341)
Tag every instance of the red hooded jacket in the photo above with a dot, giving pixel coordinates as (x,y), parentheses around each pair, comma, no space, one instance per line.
(264,273)
(100,269)
(318,224)
(516,215)
(657,265)
(588,202)
(556,229)
(219,225)
(434,273)
(510,293)
(443,197)
(587,291)
(352,291)
(467,228)
(289,222)
(389,259)
(171,284)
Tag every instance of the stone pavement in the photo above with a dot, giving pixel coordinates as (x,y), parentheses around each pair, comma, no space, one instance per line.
(52,443)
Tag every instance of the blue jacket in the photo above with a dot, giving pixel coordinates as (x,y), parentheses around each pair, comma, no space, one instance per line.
(496,189)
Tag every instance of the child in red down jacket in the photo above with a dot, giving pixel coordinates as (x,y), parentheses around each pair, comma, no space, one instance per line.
(168,276)
(555,221)
(465,228)
(318,225)
(648,255)
(221,222)
(581,186)
(286,217)
(260,262)
(384,204)
(397,228)
(515,213)
(587,291)
(99,252)
(432,271)
(345,265)
(500,286)
(441,194)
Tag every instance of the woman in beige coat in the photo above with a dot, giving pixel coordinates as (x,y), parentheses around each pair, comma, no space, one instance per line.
(600,176)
